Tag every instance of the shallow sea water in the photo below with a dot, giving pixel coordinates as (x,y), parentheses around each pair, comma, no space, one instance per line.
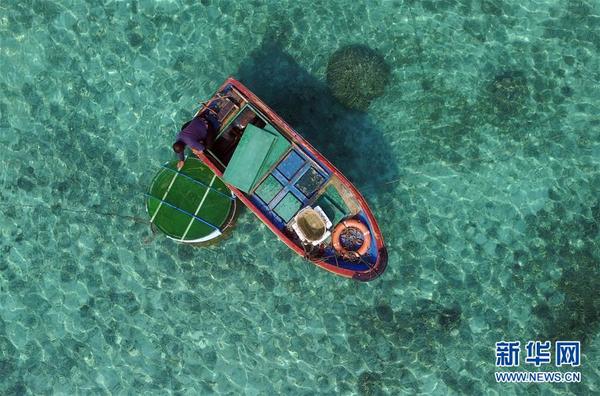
(481,161)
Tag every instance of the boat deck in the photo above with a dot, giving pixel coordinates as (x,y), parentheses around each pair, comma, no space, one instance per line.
(289,187)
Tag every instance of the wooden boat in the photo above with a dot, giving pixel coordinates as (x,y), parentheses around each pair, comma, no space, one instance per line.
(309,204)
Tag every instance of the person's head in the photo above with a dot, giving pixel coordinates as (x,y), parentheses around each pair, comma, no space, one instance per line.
(178,147)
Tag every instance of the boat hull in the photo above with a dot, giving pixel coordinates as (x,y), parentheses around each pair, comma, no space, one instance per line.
(381,256)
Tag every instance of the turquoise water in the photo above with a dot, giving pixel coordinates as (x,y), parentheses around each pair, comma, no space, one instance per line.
(481,160)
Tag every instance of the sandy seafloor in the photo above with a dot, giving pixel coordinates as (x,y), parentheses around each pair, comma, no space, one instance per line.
(481,161)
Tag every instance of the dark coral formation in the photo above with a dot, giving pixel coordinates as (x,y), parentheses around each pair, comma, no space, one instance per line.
(577,25)
(423,328)
(369,383)
(436,317)
(493,7)
(571,242)
(449,318)
(508,93)
(357,74)
(384,313)
(426,325)
(581,314)
(447,124)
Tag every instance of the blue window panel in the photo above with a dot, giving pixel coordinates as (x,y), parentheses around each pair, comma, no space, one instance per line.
(291,164)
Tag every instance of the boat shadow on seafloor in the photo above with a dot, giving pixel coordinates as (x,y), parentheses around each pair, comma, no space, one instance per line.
(307,104)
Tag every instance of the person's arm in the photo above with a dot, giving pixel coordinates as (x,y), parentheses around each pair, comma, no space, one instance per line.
(181,161)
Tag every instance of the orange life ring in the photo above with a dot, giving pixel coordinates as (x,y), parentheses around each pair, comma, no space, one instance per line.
(337,233)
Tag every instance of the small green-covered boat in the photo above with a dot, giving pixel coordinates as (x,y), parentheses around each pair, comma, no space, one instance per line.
(191,205)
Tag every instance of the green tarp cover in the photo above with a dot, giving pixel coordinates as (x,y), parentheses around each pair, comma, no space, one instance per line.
(248,158)
(268,189)
(288,207)
(257,151)
(280,147)
(333,205)
(194,190)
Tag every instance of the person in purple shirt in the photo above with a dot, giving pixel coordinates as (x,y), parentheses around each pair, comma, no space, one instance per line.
(197,134)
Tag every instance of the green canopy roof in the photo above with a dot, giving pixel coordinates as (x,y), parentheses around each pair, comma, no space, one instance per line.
(256,153)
